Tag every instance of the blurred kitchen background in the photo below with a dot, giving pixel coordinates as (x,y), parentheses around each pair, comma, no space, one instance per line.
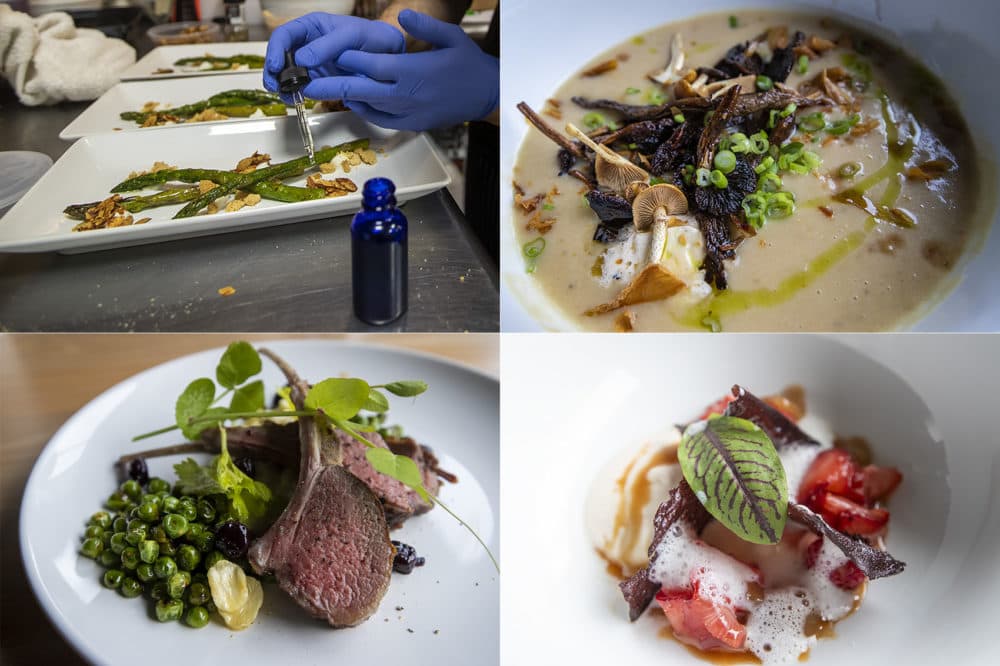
(148,23)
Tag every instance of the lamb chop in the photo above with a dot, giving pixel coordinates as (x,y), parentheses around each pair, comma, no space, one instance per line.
(330,548)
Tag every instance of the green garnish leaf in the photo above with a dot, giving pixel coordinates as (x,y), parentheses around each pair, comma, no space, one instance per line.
(377,402)
(193,479)
(734,470)
(192,403)
(239,363)
(247,498)
(249,398)
(401,468)
(406,389)
(338,398)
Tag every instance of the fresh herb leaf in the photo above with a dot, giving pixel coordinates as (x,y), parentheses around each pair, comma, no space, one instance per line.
(406,389)
(377,402)
(192,403)
(338,398)
(193,479)
(734,470)
(401,468)
(248,498)
(239,363)
(248,398)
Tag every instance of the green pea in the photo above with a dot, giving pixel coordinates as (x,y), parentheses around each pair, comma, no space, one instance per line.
(196,617)
(199,594)
(206,511)
(145,572)
(120,524)
(130,587)
(136,532)
(158,534)
(132,489)
(156,499)
(106,539)
(130,558)
(206,542)
(113,578)
(149,550)
(195,530)
(212,558)
(168,548)
(158,590)
(177,584)
(164,567)
(175,524)
(188,509)
(92,548)
(101,519)
(148,511)
(158,485)
(168,610)
(210,606)
(118,543)
(93,532)
(117,502)
(110,560)
(188,557)
(170,504)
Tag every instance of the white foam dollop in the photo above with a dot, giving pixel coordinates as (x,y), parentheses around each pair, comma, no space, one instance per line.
(775,628)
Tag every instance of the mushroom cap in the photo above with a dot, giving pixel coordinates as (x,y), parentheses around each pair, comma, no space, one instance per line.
(663,196)
(618,175)
(632,189)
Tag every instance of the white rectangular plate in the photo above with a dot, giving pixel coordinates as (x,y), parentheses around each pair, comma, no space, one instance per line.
(164,57)
(104,114)
(93,165)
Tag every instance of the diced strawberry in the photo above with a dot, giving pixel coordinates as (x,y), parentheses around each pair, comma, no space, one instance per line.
(703,624)
(850,517)
(811,547)
(717,407)
(847,576)
(879,482)
(834,470)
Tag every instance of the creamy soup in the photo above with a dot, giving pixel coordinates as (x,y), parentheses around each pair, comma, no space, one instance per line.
(873,222)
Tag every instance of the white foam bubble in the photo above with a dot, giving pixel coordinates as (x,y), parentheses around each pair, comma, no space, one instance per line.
(775,628)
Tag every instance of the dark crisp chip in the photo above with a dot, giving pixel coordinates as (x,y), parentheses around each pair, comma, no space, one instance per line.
(782,430)
(873,562)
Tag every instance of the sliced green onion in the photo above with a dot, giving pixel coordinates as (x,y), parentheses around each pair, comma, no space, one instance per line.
(772,119)
(548,206)
(656,181)
(802,66)
(766,164)
(702,177)
(780,205)
(844,125)
(633,146)
(754,209)
(789,110)
(655,96)
(688,178)
(764,82)
(689,169)
(734,22)
(849,170)
(724,142)
(739,143)
(793,149)
(725,161)
(632,91)
(811,160)
(718,179)
(798,167)
(531,251)
(814,122)
(759,143)
(593,120)
(769,182)
(678,118)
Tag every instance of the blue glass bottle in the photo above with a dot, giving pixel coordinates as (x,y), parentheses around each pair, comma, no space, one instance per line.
(378,255)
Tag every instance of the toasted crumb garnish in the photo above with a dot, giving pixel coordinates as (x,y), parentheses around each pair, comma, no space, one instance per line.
(327,167)
(212,208)
(540,224)
(337,187)
(205,186)
(248,164)
(207,114)
(227,291)
(149,106)
(368,156)
(625,322)
(601,68)
(106,215)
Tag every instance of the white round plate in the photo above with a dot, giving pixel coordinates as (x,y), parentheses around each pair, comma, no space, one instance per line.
(957,45)
(445,612)
(561,606)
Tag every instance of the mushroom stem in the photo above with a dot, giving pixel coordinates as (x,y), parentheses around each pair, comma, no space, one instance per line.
(602,151)
(659,241)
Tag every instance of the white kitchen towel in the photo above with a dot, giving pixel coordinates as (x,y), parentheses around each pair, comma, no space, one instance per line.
(48,59)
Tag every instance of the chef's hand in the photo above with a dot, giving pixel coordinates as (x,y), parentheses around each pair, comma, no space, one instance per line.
(451,84)
(318,39)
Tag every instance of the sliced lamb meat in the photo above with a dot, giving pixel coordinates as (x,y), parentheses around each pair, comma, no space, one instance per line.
(682,505)
(330,548)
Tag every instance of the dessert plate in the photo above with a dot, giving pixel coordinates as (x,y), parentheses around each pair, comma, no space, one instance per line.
(447,609)
(93,165)
(560,605)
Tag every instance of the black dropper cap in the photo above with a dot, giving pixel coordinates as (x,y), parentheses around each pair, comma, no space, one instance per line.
(292,78)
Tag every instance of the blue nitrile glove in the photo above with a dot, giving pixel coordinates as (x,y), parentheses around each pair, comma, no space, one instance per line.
(454,83)
(318,39)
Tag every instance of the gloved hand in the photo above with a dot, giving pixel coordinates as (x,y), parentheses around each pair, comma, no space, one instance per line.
(451,84)
(318,39)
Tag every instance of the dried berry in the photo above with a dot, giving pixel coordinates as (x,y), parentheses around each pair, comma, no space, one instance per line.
(137,470)
(406,559)
(232,539)
(246,465)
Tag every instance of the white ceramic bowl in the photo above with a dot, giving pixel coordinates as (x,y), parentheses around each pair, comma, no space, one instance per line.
(544,43)
(565,418)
